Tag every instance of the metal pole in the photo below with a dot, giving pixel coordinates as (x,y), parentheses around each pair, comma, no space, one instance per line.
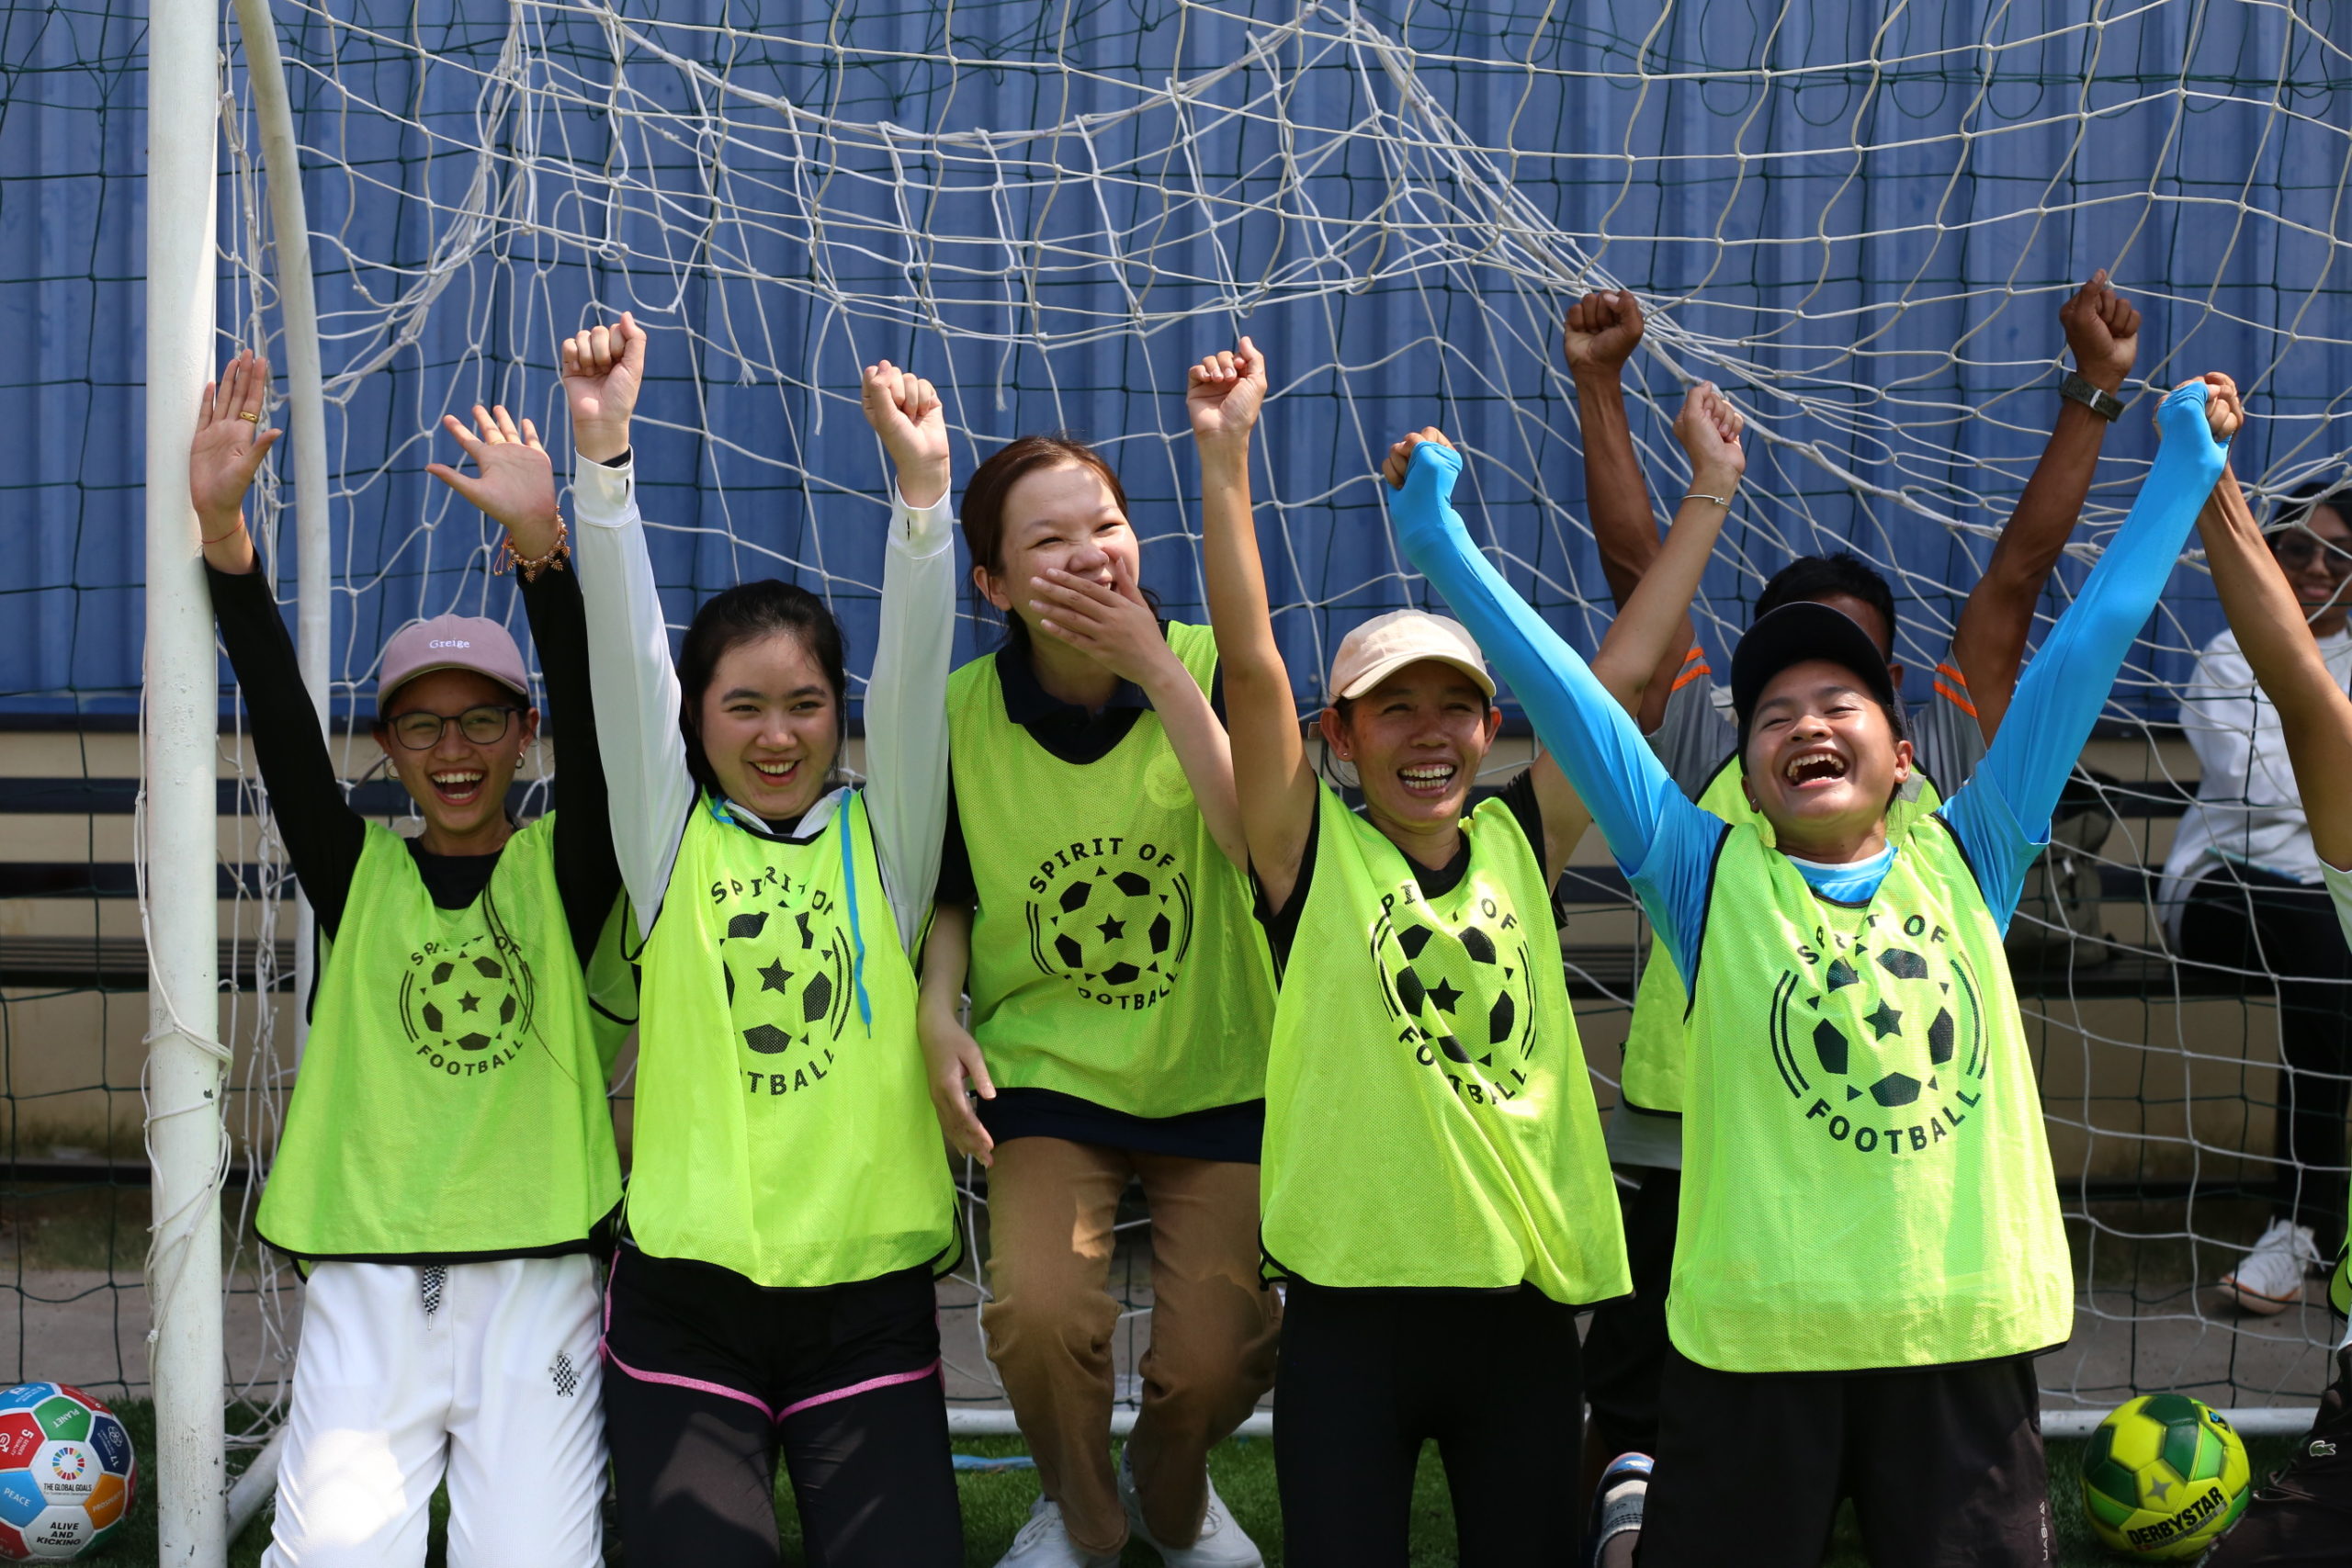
(306,394)
(178,823)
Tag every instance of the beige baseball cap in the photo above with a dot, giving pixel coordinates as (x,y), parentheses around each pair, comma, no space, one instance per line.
(451,642)
(1385,644)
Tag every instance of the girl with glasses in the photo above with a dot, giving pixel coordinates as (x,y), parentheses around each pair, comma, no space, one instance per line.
(446,1171)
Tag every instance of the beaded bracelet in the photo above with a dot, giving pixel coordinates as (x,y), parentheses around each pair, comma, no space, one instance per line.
(529,567)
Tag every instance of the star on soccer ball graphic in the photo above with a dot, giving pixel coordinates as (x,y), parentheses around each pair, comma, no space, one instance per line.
(1117,928)
(787,978)
(1883,1027)
(1467,995)
(468,998)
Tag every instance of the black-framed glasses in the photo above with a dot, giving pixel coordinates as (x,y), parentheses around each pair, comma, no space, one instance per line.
(2298,546)
(484,726)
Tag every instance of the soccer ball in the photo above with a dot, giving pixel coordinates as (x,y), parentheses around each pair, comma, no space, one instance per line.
(2162,1477)
(67,1474)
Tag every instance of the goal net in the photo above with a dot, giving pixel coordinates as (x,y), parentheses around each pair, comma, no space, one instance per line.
(1860,221)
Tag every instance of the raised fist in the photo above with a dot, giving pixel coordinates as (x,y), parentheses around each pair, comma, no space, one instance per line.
(1400,456)
(1708,428)
(1224,392)
(603,369)
(906,413)
(1602,329)
(2102,332)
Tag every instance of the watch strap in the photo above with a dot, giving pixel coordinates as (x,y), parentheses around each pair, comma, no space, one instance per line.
(2104,404)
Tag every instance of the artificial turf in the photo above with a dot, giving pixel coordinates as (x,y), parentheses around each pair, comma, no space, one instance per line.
(996,1502)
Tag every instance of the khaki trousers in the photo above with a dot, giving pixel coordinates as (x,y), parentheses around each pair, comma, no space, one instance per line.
(1051,1207)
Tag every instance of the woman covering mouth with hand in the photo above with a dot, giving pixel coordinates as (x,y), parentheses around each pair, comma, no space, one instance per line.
(789,1204)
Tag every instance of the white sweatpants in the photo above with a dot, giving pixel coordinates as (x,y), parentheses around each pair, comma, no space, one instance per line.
(486,1371)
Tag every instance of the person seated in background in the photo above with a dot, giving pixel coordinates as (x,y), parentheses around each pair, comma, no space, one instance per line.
(2243,890)
(2301,1517)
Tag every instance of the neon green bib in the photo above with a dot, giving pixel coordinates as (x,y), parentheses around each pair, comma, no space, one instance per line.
(1114,953)
(1429,1119)
(1865,1178)
(782,1127)
(451,1097)
(1656,1047)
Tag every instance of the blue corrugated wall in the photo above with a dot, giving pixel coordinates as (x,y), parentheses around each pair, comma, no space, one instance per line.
(1721,159)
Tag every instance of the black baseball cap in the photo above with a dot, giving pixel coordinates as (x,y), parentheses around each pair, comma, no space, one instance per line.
(1794,634)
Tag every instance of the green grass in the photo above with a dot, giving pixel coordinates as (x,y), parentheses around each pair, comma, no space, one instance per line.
(995,1503)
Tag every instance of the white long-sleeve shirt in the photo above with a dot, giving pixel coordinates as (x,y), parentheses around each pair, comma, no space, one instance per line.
(2247,810)
(637,697)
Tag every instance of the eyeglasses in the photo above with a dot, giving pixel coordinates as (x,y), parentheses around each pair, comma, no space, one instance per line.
(484,726)
(2298,546)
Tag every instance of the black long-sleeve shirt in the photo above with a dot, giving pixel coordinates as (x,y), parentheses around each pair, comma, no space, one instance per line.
(323,835)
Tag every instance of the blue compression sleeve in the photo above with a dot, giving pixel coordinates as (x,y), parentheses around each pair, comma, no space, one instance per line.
(2002,814)
(1665,844)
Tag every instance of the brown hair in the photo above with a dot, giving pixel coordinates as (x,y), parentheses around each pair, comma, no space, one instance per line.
(983,509)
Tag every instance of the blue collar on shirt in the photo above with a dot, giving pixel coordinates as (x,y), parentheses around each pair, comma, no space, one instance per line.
(1856,882)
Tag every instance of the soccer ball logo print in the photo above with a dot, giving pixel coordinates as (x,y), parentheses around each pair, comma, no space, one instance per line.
(1117,929)
(467,1005)
(790,984)
(1462,995)
(1880,1040)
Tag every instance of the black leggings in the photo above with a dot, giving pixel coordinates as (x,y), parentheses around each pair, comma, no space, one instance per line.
(1364,1377)
(1625,1355)
(711,1379)
(2245,919)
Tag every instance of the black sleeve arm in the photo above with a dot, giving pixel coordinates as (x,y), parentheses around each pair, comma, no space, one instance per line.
(587,872)
(1519,797)
(955,882)
(322,835)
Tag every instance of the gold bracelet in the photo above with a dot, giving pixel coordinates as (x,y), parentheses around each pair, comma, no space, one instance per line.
(529,567)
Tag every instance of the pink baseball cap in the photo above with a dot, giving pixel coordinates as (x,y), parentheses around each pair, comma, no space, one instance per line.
(451,642)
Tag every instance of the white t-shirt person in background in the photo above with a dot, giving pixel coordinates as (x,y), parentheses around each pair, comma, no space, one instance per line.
(2299,1516)
(2245,889)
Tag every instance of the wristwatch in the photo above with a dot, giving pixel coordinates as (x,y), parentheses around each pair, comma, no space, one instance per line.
(2104,404)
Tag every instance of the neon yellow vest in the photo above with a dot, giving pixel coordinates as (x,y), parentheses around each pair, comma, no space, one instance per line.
(451,1097)
(1656,1049)
(1429,1119)
(783,1126)
(1114,956)
(1865,1178)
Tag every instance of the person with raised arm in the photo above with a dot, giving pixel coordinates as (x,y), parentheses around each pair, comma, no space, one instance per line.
(1870,1250)
(789,1204)
(446,1173)
(1092,900)
(1688,728)
(2301,1515)
(2245,889)
(1434,1179)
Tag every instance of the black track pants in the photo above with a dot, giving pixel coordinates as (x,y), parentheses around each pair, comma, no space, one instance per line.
(1365,1377)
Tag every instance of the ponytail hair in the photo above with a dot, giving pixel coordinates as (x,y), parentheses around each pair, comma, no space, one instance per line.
(746,613)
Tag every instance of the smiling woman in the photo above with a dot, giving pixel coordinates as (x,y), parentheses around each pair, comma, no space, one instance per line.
(1856,1050)
(447,1164)
(788,1201)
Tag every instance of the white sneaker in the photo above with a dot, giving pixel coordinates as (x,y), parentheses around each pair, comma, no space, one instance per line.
(1222,1544)
(1045,1543)
(2270,1278)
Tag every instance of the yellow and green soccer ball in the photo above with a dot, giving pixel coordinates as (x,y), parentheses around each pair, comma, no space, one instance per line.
(2162,1477)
